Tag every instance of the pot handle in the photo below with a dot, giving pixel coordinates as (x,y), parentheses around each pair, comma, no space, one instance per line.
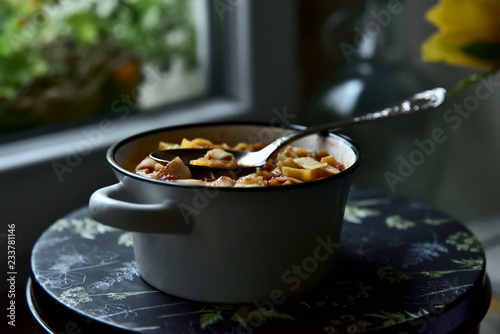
(109,207)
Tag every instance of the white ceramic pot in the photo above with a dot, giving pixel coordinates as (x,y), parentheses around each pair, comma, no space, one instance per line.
(227,244)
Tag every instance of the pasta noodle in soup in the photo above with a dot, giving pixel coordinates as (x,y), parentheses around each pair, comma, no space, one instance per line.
(291,165)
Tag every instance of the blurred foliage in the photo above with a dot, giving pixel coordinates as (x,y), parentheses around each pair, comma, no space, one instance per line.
(62,49)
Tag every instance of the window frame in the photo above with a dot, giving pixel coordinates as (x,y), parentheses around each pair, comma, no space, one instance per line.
(257,75)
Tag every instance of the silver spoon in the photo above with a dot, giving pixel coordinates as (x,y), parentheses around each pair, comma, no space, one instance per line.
(419,102)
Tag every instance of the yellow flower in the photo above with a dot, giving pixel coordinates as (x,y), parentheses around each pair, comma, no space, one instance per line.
(468,33)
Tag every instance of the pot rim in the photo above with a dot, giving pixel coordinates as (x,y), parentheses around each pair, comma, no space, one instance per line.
(110,156)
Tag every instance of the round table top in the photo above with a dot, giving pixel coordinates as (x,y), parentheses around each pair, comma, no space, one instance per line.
(404,267)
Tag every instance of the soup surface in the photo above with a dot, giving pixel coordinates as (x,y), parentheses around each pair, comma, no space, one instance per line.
(291,165)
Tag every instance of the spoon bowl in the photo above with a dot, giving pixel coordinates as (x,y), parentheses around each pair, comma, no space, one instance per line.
(419,102)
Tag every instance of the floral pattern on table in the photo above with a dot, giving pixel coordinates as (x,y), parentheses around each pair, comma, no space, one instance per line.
(401,262)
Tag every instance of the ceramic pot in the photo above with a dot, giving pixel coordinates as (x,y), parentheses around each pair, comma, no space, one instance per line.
(228,245)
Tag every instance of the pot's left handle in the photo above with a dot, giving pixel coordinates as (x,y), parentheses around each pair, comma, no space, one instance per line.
(109,207)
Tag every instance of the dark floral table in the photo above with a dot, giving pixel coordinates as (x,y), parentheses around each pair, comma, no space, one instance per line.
(404,268)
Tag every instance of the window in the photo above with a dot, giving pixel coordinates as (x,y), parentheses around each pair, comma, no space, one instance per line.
(251,72)
(251,75)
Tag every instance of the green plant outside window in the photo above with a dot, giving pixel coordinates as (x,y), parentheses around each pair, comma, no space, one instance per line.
(63,60)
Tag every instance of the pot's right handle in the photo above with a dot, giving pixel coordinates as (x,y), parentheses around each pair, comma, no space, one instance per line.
(107,207)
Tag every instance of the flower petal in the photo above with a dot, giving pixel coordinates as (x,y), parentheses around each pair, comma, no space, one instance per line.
(440,48)
(463,26)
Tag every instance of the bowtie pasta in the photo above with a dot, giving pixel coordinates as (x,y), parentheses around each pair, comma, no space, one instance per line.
(291,165)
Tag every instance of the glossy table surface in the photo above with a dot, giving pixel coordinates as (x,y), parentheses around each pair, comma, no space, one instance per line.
(404,267)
